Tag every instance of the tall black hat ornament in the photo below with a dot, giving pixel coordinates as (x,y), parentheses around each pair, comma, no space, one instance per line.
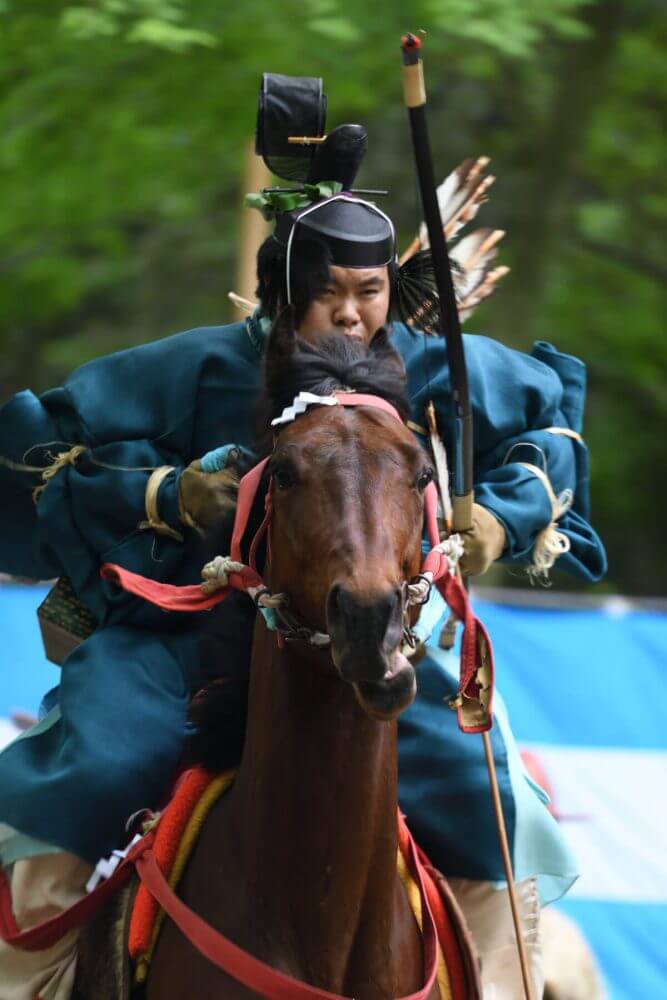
(289,106)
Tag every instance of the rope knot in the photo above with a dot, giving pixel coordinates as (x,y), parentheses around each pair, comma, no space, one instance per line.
(215,573)
(60,460)
(453,549)
(550,543)
(418,590)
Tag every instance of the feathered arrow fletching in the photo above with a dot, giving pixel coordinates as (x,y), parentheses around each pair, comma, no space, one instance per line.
(459,198)
(472,257)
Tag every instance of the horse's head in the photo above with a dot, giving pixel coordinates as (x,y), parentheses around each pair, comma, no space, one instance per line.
(347,499)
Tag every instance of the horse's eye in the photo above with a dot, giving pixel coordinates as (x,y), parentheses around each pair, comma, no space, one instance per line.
(424,479)
(283,476)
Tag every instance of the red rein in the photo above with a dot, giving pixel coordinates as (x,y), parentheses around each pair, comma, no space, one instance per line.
(475,645)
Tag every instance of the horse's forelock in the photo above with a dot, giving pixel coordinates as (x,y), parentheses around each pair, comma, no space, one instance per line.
(335,362)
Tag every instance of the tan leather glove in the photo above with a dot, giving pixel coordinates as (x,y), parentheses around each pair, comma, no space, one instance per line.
(483,543)
(206,499)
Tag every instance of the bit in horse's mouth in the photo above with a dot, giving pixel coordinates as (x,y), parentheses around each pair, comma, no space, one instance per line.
(387,698)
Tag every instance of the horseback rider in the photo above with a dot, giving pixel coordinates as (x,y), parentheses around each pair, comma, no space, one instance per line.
(149,444)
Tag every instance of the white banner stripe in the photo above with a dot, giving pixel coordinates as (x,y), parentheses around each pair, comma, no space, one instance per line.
(619,836)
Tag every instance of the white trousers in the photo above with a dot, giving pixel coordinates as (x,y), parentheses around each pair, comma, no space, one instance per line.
(41,887)
(489,918)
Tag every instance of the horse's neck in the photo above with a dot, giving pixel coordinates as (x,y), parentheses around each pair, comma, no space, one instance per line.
(316,801)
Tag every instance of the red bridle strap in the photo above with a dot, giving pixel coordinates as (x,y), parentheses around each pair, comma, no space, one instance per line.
(246,497)
(476,649)
(172,598)
(364,399)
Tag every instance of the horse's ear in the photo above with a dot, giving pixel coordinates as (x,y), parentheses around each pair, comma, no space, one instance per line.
(282,339)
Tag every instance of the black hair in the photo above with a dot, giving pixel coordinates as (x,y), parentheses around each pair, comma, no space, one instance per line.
(311,261)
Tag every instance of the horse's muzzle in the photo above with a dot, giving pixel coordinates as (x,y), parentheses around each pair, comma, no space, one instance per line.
(366,635)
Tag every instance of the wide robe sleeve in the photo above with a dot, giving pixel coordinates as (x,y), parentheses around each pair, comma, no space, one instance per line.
(527,412)
(24,422)
(163,403)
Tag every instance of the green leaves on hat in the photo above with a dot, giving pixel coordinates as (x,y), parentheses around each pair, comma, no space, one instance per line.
(274,203)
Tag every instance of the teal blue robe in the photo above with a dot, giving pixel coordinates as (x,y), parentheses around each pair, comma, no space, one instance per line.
(109,745)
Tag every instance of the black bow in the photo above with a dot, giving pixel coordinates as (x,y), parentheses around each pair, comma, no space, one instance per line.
(415,100)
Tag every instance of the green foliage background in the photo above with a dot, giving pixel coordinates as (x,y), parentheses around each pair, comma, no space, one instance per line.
(123,124)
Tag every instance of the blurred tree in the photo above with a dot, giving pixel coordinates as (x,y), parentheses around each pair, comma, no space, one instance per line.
(123,123)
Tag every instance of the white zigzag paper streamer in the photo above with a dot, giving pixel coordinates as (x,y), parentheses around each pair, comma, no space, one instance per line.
(301,404)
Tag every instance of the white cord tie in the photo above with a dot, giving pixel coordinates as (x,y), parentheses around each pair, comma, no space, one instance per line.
(417,593)
(215,573)
(452,549)
(550,543)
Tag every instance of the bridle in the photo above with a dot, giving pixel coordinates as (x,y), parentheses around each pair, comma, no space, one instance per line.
(288,625)
(227,573)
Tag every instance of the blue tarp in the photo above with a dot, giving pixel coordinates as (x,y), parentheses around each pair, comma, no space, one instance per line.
(586,691)
(25,674)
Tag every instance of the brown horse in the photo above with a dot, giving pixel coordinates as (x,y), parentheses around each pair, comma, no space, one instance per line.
(297,863)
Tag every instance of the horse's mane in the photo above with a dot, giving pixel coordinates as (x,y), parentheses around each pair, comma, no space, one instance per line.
(291,365)
(335,362)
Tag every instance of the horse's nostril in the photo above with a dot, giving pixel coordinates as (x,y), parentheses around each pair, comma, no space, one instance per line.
(345,603)
(365,631)
(364,620)
(333,600)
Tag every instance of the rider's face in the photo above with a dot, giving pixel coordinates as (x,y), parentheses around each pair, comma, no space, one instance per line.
(354,302)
